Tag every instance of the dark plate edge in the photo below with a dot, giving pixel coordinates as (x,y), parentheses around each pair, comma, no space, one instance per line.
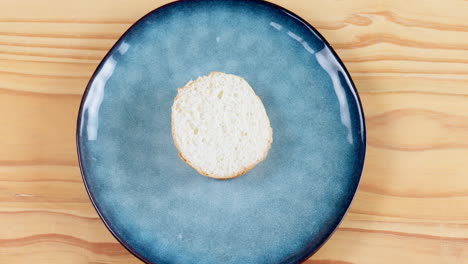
(307,254)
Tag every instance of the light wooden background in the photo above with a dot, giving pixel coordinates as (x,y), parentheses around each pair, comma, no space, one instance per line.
(409,59)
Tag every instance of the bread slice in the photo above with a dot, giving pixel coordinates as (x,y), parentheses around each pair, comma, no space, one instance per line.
(220,126)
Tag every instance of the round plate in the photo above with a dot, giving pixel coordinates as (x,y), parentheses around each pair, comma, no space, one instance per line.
(160,208)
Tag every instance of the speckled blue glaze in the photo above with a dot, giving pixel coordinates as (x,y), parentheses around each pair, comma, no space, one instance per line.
(162,209)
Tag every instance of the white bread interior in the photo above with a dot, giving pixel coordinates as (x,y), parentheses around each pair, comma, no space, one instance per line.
(220,126)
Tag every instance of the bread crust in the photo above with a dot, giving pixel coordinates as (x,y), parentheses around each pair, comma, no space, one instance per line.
(199,170)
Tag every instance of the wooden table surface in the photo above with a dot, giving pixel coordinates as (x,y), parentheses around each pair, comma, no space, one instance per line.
(408,58)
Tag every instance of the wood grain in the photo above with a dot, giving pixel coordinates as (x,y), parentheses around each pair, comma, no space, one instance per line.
(408,58)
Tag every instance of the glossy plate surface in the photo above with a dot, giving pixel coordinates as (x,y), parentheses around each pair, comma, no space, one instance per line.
(162,209)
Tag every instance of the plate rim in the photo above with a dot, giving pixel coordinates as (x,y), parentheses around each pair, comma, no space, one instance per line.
(307,254)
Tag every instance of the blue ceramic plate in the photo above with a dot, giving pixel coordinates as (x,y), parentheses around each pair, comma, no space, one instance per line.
(160,208)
